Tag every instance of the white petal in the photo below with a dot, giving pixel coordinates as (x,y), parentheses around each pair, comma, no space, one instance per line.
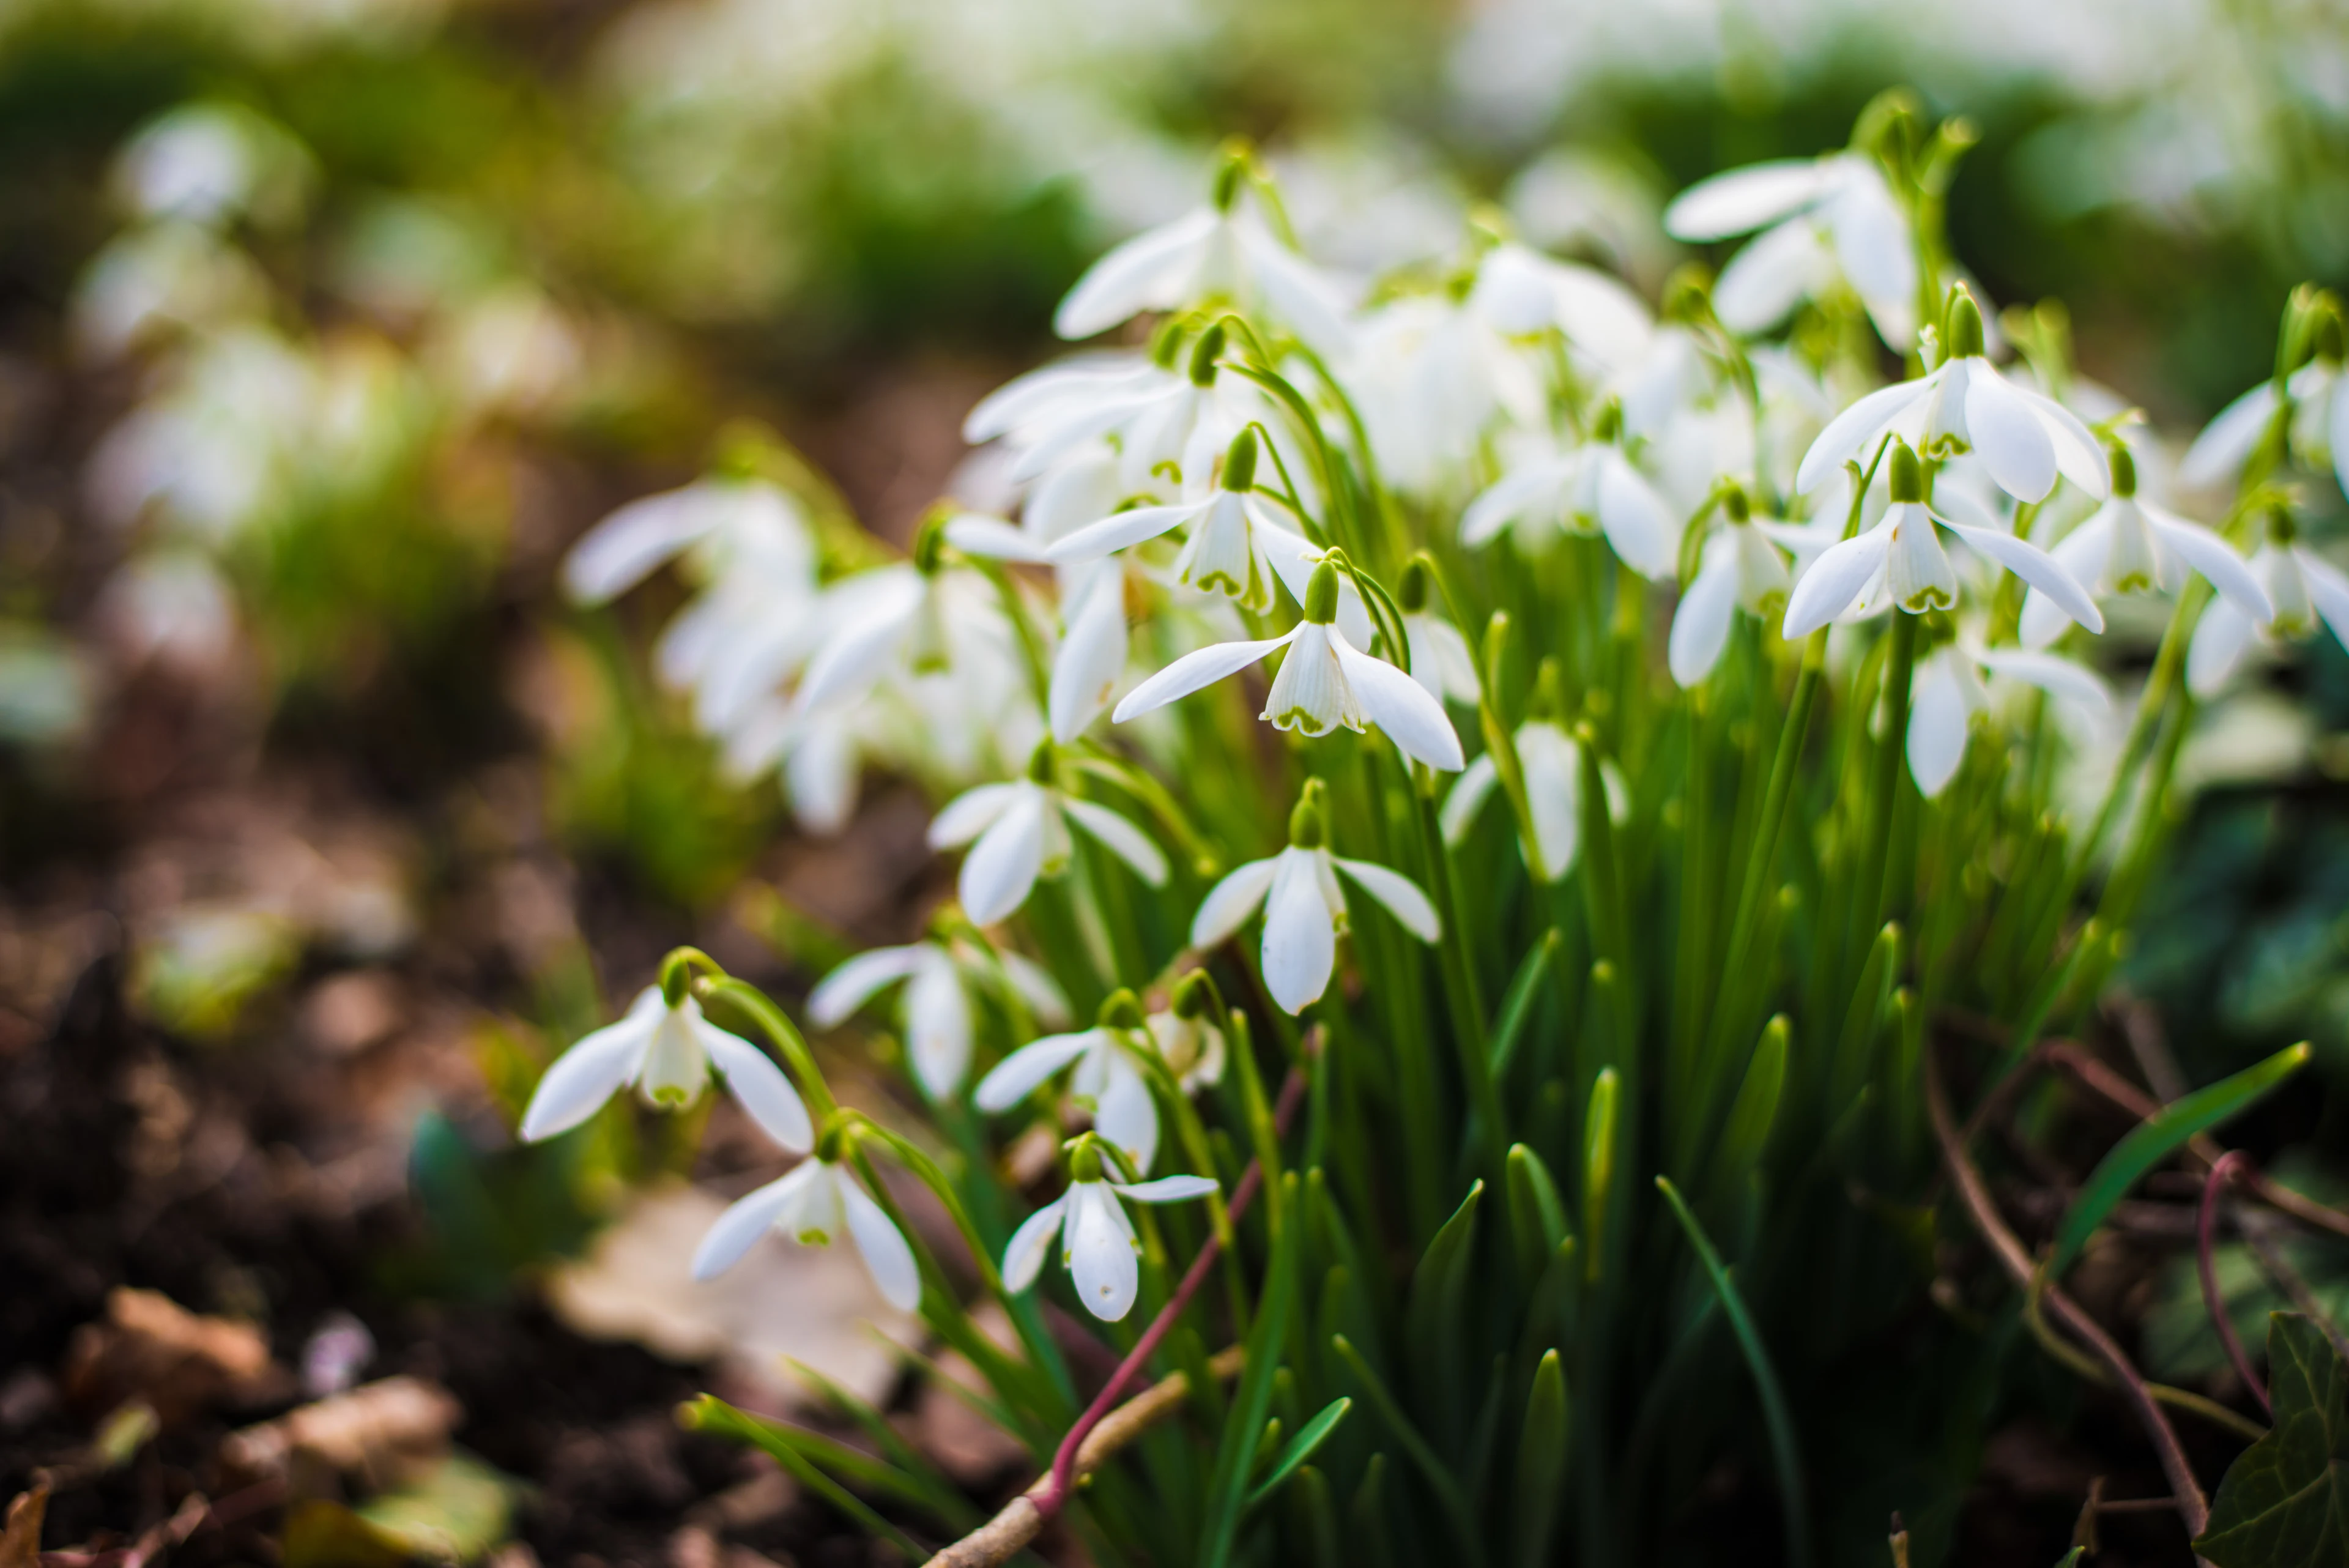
(1835,579)
(1024,1255)
(887,1257)
(1854,429)
(938,1027)
(593,1070)
(1514,496)
(1762,282)
(1125,1113)
(2211,556)
(1643,530)
(1125,840)
(1938,715)
(1399,893)
(1440,659)
(1090,660)
(1001,869)
(1467,797)
(2012,443)
(1193,671)
(2337,436)
(1553,765)
(1401,707)
(1036,987)
(2218,647)
(1700,623)
(851,660)
(1746,199)
(2082,552)
(1017,1076)
(1307,300)
(1873,244)
(750,1217)
(1300,941)
(620,551)
(2081,460)
(847,988)
(2034,567)
(1231,901)
(759,1086)
(1135,276)
(970,813)
(1101,1258)
(2225,444)
(1165,1189)
(2328,590)
(975,534)
(2056,677)
(1121,530)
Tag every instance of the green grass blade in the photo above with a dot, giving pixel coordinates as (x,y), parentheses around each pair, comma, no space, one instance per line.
(2159,1136)
(1756,1108)
(1243,1427)
(1440,1481)
(1536,1214)
(1300,1448)
(1541,1461)
(1523,996)
(1774,1415)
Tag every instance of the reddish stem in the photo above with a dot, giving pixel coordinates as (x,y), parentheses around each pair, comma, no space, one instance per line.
(2228,1165)
(1054,1495)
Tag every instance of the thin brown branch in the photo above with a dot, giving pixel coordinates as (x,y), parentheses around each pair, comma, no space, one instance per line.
(2192,1505)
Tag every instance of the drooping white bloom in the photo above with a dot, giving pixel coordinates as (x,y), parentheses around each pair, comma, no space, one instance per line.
(1233,544)
(2131,546)
(1098,1245)
(1947,692)
(1552,764)
(1900,562)
(1018,831)
(1223,252)
(898,620)
(1109,1080)
(1431,373)
(937,1011)
(1825,218)
(2318,433)
(1740,569)
(815,1201)
(2023,438)
(1322,684)
(1590,487)
(1304,909)
(1606,327)
(667,1053)
(1031,405)
(1440,659)
(735,522)
(2304,590)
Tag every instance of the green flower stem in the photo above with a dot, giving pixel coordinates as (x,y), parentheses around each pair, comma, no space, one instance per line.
(2151,704)
(1460,988)
(750,999)
(1873,894)
(926,1171)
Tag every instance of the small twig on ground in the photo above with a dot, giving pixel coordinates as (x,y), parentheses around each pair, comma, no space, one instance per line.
(2228,1165)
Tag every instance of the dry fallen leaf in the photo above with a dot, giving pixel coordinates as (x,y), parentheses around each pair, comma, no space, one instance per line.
(20,1542)
(382,1434)
(811,1303)
(151,1348)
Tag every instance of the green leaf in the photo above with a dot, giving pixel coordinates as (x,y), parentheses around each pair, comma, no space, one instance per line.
(1525,992)
(1537,1213)
(1300,1448)
(1541,1461)
(1774,1415)
(2156,1137)
(1597,1170)
(1432,1320)
(798,1451)
(1754,1109)
(1439,1478)
(2284,1502)
(1227,1497)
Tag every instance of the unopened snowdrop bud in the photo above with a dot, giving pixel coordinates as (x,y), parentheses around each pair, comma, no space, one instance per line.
(1084,1158)
(1411,592)
(1204,354)
(1961,326)
(1733,504)
(1321,595)
(1608,425)
(1167,342)
(1239,460)
(1905,474)
(1231,173)
(2124,468)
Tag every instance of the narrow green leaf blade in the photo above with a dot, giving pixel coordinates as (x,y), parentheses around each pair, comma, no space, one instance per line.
(1300,1448)
(1525,992)
(2284,1502)
(1541,1461)
(2159,1136)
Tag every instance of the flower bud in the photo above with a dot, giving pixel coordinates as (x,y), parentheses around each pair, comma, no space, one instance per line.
(1195,996)
(1239,460)
(1203,355)
(1412,592)
(930,541)
(2283,532)
(1609,426)
(1550,691)
(1085,1160)
(1167,342)
(1040,762)
(1908,475)
(1308,828)
(1961,327)
(1121,1009)
(1733,503)
(1321,595)
(1234,156)
(2124,468)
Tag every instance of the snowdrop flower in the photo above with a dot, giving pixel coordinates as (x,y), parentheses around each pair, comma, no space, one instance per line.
(1431,373)
(1825,218)
(1439,658)
(911,618)
(2131,546)
(2303,587)
(1231,541)
(1111,1080)
(1098,1245)
(2023,438)
(936,1009)
(1522,292)
(1020,831)
(1031,405)
(2318,433)
(734,520)
(1588,487)
(1223,251)
(1901,561)
(1188,1033)
(1322,684)
(667,1051)
(1304,907)
(1949,692)
(814,1202)
(1738,569)
(1552,764)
